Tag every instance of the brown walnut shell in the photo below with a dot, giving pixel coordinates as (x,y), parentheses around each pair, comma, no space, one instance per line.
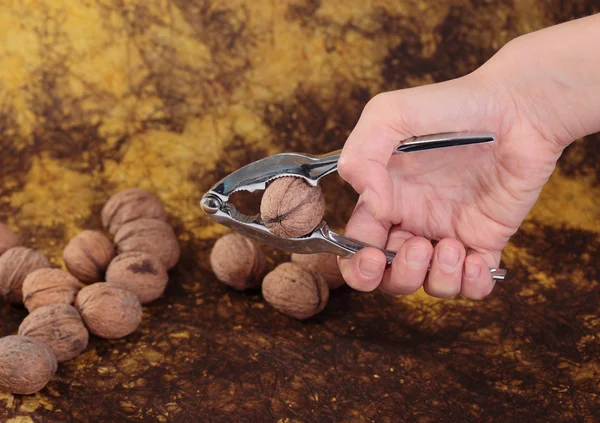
(8,239)
(15,264)
(88,254)
(324,263)
(60,327)
(291,208)
(295,291)
(238,262)
(26,365)
(49,286)
(139,272)
(109,311)
(129,205)
(151,236)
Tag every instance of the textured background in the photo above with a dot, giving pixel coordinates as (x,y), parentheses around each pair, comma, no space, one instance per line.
(170,95)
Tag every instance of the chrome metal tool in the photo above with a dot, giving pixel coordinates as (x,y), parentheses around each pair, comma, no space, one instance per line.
(256,175)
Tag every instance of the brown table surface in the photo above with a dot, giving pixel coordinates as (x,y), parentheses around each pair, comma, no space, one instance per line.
(101,95)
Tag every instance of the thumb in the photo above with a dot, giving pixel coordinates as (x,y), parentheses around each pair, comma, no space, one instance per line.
(365,156)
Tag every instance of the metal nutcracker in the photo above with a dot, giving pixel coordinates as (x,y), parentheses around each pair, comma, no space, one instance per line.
(255,177)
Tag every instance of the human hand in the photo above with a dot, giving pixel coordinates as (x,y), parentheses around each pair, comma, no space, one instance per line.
(470,199)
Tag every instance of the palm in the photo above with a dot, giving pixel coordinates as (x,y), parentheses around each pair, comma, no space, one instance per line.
(478,194)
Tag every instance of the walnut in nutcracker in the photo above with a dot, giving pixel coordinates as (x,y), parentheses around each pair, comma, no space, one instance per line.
(109,311)
(87,255)
(15,264)
(295,291)
(292,208)
(60,327)
(324,263)
(8,239)
(26,365)
(151,236)
(130,205)
(238,262)
(49,286)
(139,272)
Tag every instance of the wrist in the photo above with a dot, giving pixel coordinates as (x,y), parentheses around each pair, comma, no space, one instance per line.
(552,78)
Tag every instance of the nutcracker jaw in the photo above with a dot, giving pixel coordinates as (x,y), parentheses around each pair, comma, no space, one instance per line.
(255,177)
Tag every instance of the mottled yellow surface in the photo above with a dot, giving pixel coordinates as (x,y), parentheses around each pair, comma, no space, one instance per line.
(171,95)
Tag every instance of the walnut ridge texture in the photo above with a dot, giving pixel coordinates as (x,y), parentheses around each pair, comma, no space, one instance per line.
(295,291)
(88,254)
(109,311)
(139,272)
(129,205)
(238,261)
(26,365)
(15,264)
(60,327)
(291,208)
(49,286)
(150,236)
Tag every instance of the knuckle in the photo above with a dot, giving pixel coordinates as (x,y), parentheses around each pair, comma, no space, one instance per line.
(442,291)
(409,287)
(377,104)
(404,282)
(475,295)
(479,291)
(401,287)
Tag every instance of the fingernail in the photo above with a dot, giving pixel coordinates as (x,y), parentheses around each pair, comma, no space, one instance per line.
(371,201)
(472,271)
(416,256)
(369,268)
(448,257)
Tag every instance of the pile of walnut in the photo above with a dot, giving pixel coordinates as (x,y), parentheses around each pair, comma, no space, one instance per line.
(300,288)
(121,276)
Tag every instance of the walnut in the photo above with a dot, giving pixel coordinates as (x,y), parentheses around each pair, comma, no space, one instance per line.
(291,208)
(109,311)
(324,263)
(8,239)
(130,205)
(49,286)
(87,255)
(149,236)
(238,262)
(139,272)
(15,264)
(26,365)
(295,291)
(60,327)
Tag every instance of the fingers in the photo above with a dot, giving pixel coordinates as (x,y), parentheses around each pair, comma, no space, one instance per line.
(364,270)
(451,270)
(409,267)
(445,277)
(477,280)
